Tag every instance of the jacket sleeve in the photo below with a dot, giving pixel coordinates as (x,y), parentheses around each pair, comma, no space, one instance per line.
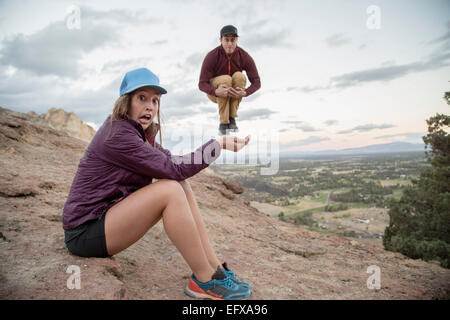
(165,151)
(127,150)
(207,73)
(252,73)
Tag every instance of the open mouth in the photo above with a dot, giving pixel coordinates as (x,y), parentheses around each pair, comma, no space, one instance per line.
(145,119)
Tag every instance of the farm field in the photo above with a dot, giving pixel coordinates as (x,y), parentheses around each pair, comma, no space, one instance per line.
(347,195)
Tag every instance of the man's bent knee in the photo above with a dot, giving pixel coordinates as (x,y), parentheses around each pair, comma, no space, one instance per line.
(217,81)
(239,79)
(238,75)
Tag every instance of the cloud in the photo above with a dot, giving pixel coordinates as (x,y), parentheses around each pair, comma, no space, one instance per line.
(193,62)
(259,34)
(444,38)
(180,104)
(208,109)
(303,142)
(387,73)
(123,65)
(274,39)
(337,40)
(308,89)
(409,136)
(366,128)
(58,50)
(120,16)
(381,74)
(254,114)
(25,91)
(301,125)
(54,50)
(331,122)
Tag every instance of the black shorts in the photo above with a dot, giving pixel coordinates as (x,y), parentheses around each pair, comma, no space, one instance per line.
(88,239)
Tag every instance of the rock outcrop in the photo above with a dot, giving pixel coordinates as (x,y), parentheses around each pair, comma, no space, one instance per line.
(68,122)
(280,260)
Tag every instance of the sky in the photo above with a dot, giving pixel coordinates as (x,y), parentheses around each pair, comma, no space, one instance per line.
(334,74)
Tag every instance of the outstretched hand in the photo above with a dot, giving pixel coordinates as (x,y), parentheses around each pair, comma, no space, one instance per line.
(233,143)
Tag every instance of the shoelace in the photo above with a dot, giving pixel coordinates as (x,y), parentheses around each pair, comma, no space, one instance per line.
(228,283)
(231,275)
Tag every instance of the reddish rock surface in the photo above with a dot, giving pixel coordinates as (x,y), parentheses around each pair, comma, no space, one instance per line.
(280,260)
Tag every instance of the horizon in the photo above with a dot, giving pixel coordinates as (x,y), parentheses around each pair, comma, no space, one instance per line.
(312,94)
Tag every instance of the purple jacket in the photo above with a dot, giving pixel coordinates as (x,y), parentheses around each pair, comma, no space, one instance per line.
(119,161)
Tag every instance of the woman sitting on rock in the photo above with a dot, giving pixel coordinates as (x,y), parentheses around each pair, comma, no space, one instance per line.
(112,202)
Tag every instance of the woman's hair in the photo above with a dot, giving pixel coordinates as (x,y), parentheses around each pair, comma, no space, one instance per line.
(120,112)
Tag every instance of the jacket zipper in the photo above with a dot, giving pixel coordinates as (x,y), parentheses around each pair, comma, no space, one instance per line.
(229,63)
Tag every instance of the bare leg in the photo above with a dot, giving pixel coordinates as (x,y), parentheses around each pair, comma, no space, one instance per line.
(212,258)
(127,221)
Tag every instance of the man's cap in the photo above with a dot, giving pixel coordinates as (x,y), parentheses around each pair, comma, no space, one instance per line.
(139,78)
(228,30)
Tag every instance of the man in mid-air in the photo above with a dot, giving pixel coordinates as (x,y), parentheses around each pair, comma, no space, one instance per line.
(221,77)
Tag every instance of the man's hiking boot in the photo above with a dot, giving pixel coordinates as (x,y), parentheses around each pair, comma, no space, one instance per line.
(232,126)
(223,127)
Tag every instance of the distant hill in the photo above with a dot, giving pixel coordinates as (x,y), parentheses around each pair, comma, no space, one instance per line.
(382,148)
(392,147)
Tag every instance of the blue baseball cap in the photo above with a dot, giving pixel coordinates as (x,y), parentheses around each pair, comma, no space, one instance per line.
(139,78)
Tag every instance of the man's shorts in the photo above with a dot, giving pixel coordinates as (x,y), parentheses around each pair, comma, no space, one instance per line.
(88,239)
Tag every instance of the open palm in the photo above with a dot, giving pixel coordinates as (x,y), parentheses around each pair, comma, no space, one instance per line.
(234,143)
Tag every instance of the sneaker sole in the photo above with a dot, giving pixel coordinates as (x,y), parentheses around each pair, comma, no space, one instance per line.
(198,293)
(193,290)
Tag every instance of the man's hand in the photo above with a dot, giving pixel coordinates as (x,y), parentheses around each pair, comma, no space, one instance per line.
(222,91)
(236,93)
(233,143)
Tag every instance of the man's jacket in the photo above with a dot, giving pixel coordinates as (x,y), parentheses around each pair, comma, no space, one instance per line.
(218,63)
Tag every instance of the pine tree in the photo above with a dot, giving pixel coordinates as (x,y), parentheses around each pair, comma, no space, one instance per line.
(420,221)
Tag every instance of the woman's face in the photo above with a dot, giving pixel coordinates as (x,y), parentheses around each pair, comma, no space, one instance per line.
(144,106)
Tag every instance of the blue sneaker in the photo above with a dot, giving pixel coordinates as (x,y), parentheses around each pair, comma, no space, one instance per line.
(231,274)
(224,289)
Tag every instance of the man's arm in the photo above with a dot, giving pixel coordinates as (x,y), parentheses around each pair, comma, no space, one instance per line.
(252,73)
(206,74)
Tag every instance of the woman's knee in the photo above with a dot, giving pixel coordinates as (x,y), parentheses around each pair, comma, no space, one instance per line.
(184,183)
(171,187)
(186,186)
